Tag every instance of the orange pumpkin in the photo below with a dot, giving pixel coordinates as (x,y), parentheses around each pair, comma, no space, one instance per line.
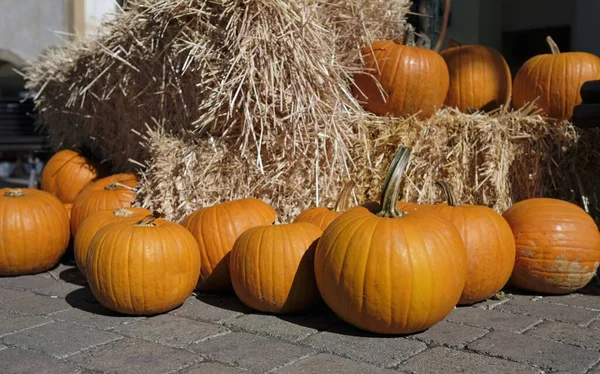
(402,72)
(556,79)
(34,231)
(322,216)
(393,272)
(113,192)
(143,268)
(272,267)
(216,228)
(68,208)
(66,173)
(558,245)
(92,224)
(479,77)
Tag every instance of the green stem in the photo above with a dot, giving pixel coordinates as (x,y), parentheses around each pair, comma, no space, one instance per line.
(341,205)
(391,186)
(450,198)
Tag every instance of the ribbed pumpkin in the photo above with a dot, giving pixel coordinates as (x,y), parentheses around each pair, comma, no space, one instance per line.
(479,77)
(68,208)
(272,267)
(112,192)
(415,80)
(216,228)
(556,79)
(322,216)
(489,243)
(34,231)
(391,272)
(143,268)
(558,245)
(92,224)
(66,173)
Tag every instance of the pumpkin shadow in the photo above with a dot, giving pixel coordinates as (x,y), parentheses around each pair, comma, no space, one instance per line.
(223,299)
(73,276)
(84,299)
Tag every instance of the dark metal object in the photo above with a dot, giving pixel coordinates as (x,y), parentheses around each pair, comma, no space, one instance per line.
(587,114)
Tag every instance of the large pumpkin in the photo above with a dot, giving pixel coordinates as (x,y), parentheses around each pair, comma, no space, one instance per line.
(556,79)
(322,216)
(113,192)
(92,224)
(143,268)
(34,231)
(414,80)
(479,77)
(272,267)
(558,245)
(216,228)
(393,272)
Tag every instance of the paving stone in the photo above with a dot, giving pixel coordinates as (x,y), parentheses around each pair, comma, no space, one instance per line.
(133,356)
(545,354)
(445,360)
(25,282)
(60,339)
(575,300)
(568,334)
(94,315)
(212,368)
(325,363)
(8,315)
(35,305)
(19,361)
(11,326)
(252,352)
(6,294)
(380,350)
(211,308)
(450,334)
(553,312)
(492,319)
(171,330)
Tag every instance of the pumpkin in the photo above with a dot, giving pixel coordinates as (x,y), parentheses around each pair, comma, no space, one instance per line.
(556,80)
(489,243)
(112,192)
(558,245)
(479,77)
(272,267)
(143,268)
(68,208)
(92,224)
(34,231)
(66,173)
(322,216)
(391,272)
(216,228)
(415,80)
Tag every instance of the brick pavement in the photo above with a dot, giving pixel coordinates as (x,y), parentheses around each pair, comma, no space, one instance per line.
(51,323)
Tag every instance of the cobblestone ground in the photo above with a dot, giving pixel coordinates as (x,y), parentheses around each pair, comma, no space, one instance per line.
(51,323)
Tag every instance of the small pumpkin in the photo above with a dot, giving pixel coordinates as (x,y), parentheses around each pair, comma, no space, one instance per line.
(112,192)
(143,268)
(66,173)
(322,216)
(216,228)
(479,77)
(401,72)
(92,224)
(392,272)
(558,245)
(272,267)
(555,79)
(34,231)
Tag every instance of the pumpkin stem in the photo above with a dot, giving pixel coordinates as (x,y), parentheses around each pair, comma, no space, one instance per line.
(552,44)
(391,185)
(409,36)
(122,212)
(14,192)
(341,205)
(452,201)
(453,43)
(149,219)
(115,185)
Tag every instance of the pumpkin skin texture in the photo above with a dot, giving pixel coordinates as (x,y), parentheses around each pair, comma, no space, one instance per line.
(322,216)
(68,208)
(391,272)
(112,192)
(143,268)
(34,231)
(479,77)
(272,267)
(92,224)
(556,79)
(66,173)
(216,228)
(558,245)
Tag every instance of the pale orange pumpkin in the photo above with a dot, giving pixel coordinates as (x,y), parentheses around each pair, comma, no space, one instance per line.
(68,208)
(322,216)
(66,173)
(34,231)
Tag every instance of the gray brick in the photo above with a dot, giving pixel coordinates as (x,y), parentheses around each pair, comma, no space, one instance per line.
(94,315)
(444,360)
(567,334)
(351,343)
(553,312)
(211,308)
(212,368)
(545,354)
(35,305)
(492,319)
(8,315)
(11,326)
(575,300)
(252,352)
(25,282)
(133,356)
(325,363)
(171,330)
(59,339)
(20,361)
(6,294)
(450,334)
